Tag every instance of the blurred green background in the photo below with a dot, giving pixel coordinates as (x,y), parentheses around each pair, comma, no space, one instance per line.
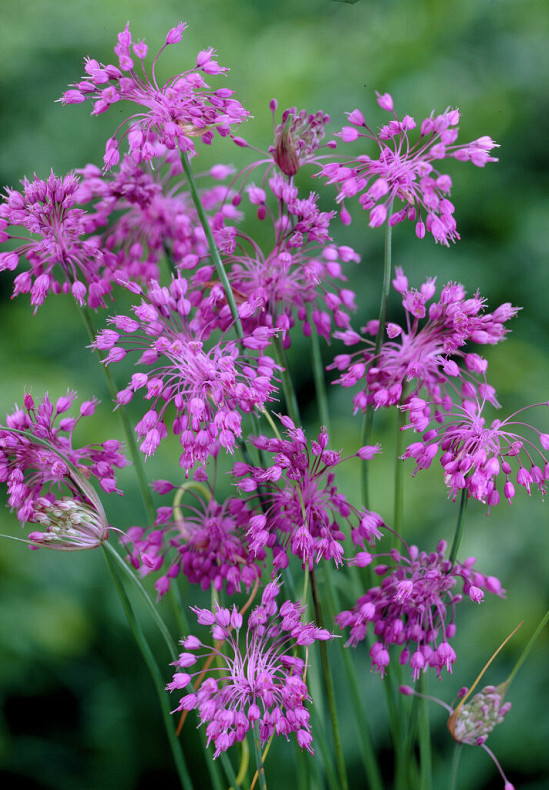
(78,709)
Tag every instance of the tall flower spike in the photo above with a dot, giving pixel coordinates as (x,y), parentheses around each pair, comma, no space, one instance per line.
(474,455)
(414,607)
(62,258)
(422,353)
(303,514)
(210,388)
(175,113)
(258,680)
(406,171)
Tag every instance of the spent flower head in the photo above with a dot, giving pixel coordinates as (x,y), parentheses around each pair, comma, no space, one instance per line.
(257,679)
(406,171)
(175,113)
(471,722)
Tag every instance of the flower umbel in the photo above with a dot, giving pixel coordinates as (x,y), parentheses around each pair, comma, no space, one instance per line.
(37,460)
(210,388)
(61,257)
(474,455)
(302,515)
(406,171)
(414,607)
(260,680)
(174,113)
(205,540)
(421,354)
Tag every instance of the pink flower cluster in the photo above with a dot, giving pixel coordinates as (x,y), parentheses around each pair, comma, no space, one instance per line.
(414,607)
(174,113)
(210,389)
(47,210)
(406,171)
(475,455)
(424,350)
(206,541)
(39,463)
(301,514)
(261,684)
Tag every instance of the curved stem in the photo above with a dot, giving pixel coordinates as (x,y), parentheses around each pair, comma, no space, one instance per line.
(459,526)
(330,693)
(126,427)
(159,684)
(220,269)
(369,413)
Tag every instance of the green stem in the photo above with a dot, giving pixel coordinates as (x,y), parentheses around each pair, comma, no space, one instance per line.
(159,684)
(369,759)
(287,386)
(459,526)
(398,478)
(318,373)
(330,693)
(220,269)
(258,757)
(424,739)
(528,647)
(369,413)
(455,765)
(126,427)
(168,639)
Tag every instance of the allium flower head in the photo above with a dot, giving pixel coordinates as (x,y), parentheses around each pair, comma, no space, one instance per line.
(150,213)
(210,388)
(47,477)
(205,541)
(475,455)
(275,285)
(174,113)
(406,171)
(414,608)
(424,350)
(259,679)
(471,722)
(297,138)
(301,507)
(61,256)
(69,524)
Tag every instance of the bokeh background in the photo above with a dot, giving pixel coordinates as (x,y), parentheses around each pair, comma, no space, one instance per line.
(77,707)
